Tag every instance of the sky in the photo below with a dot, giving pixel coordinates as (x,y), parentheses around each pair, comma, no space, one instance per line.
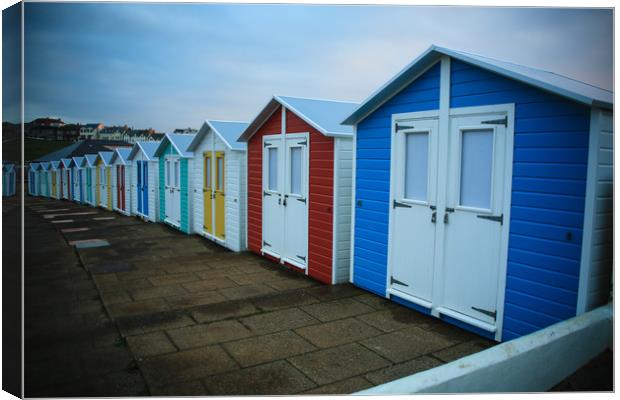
(169,66)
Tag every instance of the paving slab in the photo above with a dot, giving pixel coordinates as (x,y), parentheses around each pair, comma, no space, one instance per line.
(284,300)
(224,310)
(338,363)
(337,309)
(407,344)
(209,284)
(138,307)
(150,344)
(159,321)
(461,350)
(246,291)
(192,388)
(334,292)
(171,279)
(187,365)
(157,292)
(194,299)
(204,334)
(278,321)
(346,386)
(398,371)
(277,378)
(339,332)
(396,318)
(262,349)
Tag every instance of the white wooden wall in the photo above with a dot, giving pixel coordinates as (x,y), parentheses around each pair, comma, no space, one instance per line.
(343,186)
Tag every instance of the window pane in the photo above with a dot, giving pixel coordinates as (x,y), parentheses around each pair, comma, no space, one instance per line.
(296,170)
(273,168)
(220,173)
(416,166)
(476,168)
(208,172)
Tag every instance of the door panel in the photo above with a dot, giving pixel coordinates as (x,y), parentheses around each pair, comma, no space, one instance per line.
(296,201)
(207,191)
(54,184)
(473,233)
(414,213)
(220,192)
(97,186)
(145,187)
(273,210)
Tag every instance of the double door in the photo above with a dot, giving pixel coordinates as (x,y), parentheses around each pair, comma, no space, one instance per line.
(214,169)
(173,190)
(142,187)
(447,227)
(120,187)
(285,198)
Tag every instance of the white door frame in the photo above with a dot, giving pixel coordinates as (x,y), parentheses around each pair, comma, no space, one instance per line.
(265,189)
(169,161)
(444,129)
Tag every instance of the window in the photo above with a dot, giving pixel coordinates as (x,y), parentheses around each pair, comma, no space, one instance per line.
(177,178)
(476,168)
(208,172)
(220,173)
(416,166)
(168,172)
(296,170)
(273,168)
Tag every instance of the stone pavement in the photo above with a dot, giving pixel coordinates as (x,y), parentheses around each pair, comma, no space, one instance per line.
(120,307)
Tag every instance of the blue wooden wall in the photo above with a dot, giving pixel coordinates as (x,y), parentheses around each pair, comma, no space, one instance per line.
(549,179)
(372,180)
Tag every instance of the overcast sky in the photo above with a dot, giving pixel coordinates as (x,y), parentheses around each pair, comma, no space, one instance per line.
(173,65)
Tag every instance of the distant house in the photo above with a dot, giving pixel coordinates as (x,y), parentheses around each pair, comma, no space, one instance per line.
(185,130)
(113,132)
(44,128)
(83,147)
(68,132)
(141,135)
(90,131)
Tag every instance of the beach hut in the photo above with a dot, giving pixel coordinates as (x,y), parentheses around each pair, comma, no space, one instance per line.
(55,171)
(299,170)
(8,179)
(77,179)
(145,180)
(175,185)
(33,179)
(46,179)
(65,178)
(483,193)
(121,180)
(103,179)
(219,180)
(90,183)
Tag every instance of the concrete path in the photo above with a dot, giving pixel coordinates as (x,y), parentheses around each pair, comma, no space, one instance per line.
(136,308)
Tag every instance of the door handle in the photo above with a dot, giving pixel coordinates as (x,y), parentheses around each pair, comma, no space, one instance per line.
(279,201)
(434,217)
(446,217)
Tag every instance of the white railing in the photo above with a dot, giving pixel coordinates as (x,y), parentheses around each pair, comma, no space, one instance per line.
(532,363)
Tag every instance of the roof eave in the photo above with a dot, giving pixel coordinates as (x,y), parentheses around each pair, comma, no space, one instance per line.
(265,113)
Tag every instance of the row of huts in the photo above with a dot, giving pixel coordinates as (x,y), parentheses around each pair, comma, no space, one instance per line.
(470,189)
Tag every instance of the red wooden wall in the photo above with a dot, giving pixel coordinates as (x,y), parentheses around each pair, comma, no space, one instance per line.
(321,189)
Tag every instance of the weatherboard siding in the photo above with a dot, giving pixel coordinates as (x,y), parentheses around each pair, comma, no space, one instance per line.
(548,196)
(372,179)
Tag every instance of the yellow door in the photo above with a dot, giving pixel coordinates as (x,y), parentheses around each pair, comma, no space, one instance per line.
(207,191)
(97,181)
(109,185)
(54,184)
(220,220)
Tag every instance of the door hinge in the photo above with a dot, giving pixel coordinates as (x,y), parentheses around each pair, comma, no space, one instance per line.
(265,193)
(393,281)
(501,121)
(303,258)
(266,144)
(304,143)
(496,218)
(399,127)
(302,200)
(399,204)
(492,314)
(266,244)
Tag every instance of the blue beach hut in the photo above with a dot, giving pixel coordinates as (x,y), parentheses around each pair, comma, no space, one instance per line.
(483,193)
